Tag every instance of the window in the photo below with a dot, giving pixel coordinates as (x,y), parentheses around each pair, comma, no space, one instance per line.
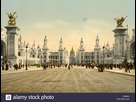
(61,61)
(44,61)
(18,53)
(108,56)
(81,57)
(44,56)
(97,61)
(56,57)
(33,56)
(81,61)
(37,56)
(60,57)
(97,56)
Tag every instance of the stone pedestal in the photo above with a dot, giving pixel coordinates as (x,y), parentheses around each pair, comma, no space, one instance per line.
(119,34)
(12,43)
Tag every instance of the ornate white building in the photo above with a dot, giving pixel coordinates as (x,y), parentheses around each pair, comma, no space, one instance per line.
(16,50)
(114,54)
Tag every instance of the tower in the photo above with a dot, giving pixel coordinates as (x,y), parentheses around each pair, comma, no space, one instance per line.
(97,51)
(61,51)
(81,52)
(45,54)
(72,56)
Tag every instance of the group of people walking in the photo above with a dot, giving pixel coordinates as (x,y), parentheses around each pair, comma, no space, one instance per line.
(16,66)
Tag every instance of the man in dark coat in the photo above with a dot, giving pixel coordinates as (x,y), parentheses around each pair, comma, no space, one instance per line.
(130,66)
(6,67)
(101,66)
(86,66)
(19,66)
(3,66)
(16,66)
(69,67)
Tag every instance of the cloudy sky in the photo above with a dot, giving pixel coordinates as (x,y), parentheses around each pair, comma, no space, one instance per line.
(64,19)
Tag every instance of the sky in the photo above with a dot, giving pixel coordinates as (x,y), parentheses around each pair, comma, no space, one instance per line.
(64,19)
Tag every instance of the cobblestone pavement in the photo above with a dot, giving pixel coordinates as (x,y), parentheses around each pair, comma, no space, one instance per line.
(62,80)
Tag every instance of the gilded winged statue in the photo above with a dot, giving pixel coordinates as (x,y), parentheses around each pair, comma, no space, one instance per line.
(12,19)
(120,21)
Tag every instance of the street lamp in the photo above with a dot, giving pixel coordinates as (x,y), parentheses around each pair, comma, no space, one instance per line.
(103,56)
(26,56)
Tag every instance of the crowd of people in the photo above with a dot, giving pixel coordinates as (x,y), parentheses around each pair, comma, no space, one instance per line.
(101,67)
(15,66)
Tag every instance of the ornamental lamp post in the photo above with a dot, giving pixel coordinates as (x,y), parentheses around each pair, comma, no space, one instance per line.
(26,57)
(103,56)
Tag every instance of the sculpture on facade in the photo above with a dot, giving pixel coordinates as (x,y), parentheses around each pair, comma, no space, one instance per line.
(12,18)
(120,21)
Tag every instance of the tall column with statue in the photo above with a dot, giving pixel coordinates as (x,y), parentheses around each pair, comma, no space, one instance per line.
(119,34)
(12,38)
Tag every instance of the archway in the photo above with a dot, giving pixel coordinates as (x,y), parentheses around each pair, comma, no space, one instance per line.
(132,49)
(3,48)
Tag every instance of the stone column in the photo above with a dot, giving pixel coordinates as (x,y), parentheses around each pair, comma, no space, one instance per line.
(119,34)
(12,43)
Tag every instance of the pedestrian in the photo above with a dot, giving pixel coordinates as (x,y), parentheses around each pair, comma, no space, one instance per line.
(69,67)
(23,65)
(101,67)
(6,66)
(44,67)
(16,66)
(19,66)
(130,66)
(3,66)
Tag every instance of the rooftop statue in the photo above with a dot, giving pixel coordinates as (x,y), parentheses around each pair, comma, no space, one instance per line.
(12,19)
(120,21)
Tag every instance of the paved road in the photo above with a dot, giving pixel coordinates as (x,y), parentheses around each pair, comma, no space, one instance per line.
(62,80)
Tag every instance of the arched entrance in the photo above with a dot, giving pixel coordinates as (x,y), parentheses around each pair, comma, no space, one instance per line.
(132,49)
(3,48)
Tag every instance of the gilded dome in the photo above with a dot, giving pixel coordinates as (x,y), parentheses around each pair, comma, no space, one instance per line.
(72,51)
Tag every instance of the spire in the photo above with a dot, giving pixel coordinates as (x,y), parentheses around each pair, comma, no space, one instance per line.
(72,51)
(107,44)
(97,42)
(24,43)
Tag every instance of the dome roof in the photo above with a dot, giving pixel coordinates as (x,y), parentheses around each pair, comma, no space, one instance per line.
(72,51)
